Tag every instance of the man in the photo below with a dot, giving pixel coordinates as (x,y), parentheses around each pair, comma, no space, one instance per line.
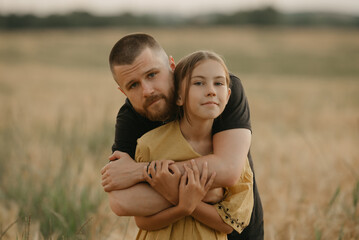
(144,74)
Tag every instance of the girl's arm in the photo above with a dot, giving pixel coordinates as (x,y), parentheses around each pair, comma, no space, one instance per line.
(192,189)
(161,219)
(208,215)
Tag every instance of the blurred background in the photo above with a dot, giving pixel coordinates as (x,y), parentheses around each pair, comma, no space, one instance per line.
(298,62)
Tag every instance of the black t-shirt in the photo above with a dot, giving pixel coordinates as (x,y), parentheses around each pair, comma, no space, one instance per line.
(130,125)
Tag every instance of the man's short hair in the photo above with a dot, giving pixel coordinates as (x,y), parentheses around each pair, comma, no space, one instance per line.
(128,48)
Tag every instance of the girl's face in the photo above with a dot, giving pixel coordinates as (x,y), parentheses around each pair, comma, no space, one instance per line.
(208,91)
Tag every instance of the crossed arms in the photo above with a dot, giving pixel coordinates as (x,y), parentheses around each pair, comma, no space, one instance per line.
(130,197)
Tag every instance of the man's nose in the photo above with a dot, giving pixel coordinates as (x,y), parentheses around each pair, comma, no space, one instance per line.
(147,89)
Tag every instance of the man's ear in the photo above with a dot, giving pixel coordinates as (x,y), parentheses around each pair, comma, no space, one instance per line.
(179,101)
(121,90)
(172,63)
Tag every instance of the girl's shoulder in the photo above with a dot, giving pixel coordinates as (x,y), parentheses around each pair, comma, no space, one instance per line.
(163,131)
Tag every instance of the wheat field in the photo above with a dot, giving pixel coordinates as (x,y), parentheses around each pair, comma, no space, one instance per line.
(58,104)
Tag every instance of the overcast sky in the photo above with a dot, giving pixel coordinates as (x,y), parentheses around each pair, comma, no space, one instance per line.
(182,7)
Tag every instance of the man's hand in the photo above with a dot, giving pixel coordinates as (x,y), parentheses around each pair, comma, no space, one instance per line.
(165,178)
(122,173)
(214,195)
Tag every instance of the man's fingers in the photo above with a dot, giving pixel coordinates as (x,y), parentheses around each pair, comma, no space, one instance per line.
(105,182)
(115,155)
(103,170)
(104,176)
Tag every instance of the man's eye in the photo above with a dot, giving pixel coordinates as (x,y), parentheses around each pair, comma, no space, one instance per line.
(133,85)
(151,75)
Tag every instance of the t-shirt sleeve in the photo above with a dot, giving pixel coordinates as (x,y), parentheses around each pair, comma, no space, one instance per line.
(126,133)
(236,114)
(142,152)
(236,207)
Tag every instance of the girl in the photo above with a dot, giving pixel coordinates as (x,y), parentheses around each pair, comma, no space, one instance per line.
(202,92)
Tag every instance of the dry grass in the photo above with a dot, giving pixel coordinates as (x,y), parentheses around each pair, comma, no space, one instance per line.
(58,104)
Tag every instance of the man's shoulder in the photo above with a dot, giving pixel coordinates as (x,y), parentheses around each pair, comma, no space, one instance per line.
(235,81)
(128,116)
(233,77)
(126,111)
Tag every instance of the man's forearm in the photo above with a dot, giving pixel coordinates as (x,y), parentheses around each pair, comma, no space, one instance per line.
(230,150)
(122,173)
(138,200)
(215,164)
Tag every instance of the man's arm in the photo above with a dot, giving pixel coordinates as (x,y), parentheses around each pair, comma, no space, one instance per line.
(122,173)
(227,161)
(130,201)
(230,149)
(203,212)
(193,187)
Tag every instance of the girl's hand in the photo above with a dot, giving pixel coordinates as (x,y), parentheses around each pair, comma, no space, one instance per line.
(193,187)
(165,178)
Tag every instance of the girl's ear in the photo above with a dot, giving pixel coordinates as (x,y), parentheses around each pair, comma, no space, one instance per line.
(229,94)
(172,63)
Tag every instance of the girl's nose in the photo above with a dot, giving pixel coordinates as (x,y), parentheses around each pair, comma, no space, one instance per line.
(211,91)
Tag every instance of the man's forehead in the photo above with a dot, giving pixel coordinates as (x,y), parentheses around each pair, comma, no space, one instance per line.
(147,59)
(145,62)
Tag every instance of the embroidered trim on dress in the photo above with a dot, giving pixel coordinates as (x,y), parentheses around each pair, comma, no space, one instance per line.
(228,215)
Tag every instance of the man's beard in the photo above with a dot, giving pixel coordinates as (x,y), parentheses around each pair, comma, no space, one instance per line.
(162,114)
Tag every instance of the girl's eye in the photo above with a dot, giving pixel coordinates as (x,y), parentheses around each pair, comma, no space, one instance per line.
(198,83)
(219,83)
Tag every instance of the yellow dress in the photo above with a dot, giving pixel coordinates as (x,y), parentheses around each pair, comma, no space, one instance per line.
(167,142)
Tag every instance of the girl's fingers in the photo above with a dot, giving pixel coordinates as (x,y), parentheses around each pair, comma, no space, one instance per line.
(164,166)
(145,175)
(204,174)
(210,181)
(183,180)
(174,169)
(159,165)
(152,169)
(195,170)
(191,178)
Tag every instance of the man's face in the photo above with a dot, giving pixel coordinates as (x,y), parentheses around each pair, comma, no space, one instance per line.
(148,84)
